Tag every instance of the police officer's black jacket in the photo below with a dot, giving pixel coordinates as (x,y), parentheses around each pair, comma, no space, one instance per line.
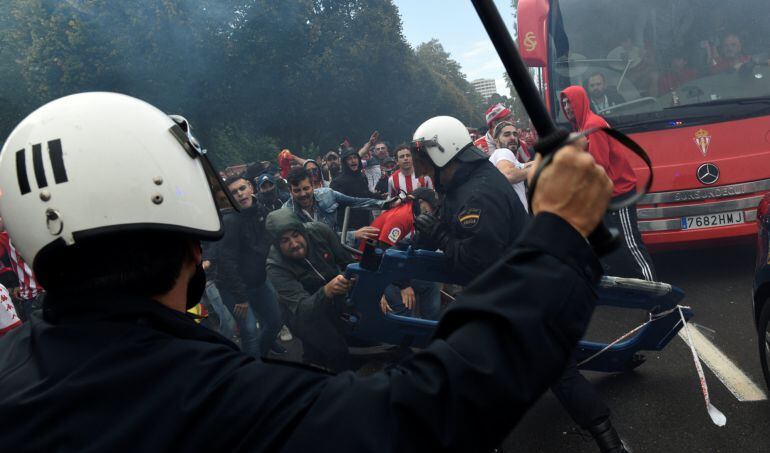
(242,253)
(484,216)
(121,373)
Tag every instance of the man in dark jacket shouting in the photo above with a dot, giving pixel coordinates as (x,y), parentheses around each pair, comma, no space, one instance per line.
(242,255)
(352,182)
(113,363)
(305,266)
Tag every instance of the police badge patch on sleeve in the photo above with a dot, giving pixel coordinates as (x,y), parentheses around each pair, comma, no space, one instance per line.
(394,234)
(469,217)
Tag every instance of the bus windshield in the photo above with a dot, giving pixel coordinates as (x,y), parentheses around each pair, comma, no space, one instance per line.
(646,63)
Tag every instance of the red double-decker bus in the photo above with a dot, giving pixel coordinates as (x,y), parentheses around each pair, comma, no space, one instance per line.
(687,79)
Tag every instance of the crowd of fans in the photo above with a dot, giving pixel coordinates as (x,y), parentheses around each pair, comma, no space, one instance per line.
(286,247)
(282,260)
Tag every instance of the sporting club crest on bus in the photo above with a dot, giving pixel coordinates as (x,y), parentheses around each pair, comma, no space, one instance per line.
(703,140)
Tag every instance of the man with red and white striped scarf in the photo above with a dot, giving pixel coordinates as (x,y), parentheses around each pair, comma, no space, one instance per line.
(404,180)
(495,115)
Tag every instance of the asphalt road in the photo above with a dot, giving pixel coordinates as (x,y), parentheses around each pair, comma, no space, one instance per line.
(659,406)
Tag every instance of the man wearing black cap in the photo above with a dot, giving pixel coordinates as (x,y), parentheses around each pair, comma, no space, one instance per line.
(331,167)
(353,183)
(388,166)
(268,194)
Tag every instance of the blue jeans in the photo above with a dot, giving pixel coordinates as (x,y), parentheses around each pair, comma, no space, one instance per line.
(264,303)
(226,320)
(247,325)
(428,295)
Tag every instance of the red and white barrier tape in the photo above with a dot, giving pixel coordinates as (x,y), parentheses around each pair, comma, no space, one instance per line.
(716,415)
(653,318)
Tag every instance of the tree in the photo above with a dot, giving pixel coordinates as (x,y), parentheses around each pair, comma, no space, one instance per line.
(231,144)
(252,76)
(515,103)
(456,91)
(515,14)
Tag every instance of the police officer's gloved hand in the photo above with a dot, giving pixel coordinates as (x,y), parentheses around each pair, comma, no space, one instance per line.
(433,229)
(404,244)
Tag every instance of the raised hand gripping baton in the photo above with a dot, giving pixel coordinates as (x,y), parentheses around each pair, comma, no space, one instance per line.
(602,239)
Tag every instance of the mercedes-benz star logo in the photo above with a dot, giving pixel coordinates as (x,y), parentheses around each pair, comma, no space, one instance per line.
(708,174)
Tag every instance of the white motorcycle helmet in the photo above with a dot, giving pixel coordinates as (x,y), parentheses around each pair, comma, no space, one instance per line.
(442,138)
(99,163)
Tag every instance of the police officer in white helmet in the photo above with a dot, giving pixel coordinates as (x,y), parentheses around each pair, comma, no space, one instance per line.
(480,215)
(108,197)
(480,219)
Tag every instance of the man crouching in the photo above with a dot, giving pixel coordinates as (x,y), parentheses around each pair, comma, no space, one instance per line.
(305,266)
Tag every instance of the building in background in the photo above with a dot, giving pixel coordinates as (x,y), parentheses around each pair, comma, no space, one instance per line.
(485,87)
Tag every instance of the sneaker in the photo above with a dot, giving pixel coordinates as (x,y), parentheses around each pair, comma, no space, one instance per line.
(285,334)
(278,349)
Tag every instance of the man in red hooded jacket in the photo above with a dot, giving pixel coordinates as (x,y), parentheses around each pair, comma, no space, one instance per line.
(631,259)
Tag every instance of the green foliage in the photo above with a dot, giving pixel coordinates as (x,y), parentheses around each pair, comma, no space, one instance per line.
(514,102)
(252,76)
(454,89)
(228,144)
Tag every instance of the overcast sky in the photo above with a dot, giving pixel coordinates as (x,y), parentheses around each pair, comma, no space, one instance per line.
(455,24)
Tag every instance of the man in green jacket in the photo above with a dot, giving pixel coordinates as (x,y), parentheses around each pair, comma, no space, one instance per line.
(305,266)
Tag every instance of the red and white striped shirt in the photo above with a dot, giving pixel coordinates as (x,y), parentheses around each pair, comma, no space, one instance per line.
(8,317)
(398,182)
(29,288)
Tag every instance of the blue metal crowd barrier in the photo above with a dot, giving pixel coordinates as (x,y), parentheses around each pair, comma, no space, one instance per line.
(370,325)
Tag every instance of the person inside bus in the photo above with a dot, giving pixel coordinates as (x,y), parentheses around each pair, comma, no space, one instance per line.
(678,73)
(730,57)
(602,96)
(640,65)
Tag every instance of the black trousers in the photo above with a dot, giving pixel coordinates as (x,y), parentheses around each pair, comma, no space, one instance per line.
(579,398)
(631,259)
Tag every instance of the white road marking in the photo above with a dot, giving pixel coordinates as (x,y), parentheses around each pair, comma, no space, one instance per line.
(736,381)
